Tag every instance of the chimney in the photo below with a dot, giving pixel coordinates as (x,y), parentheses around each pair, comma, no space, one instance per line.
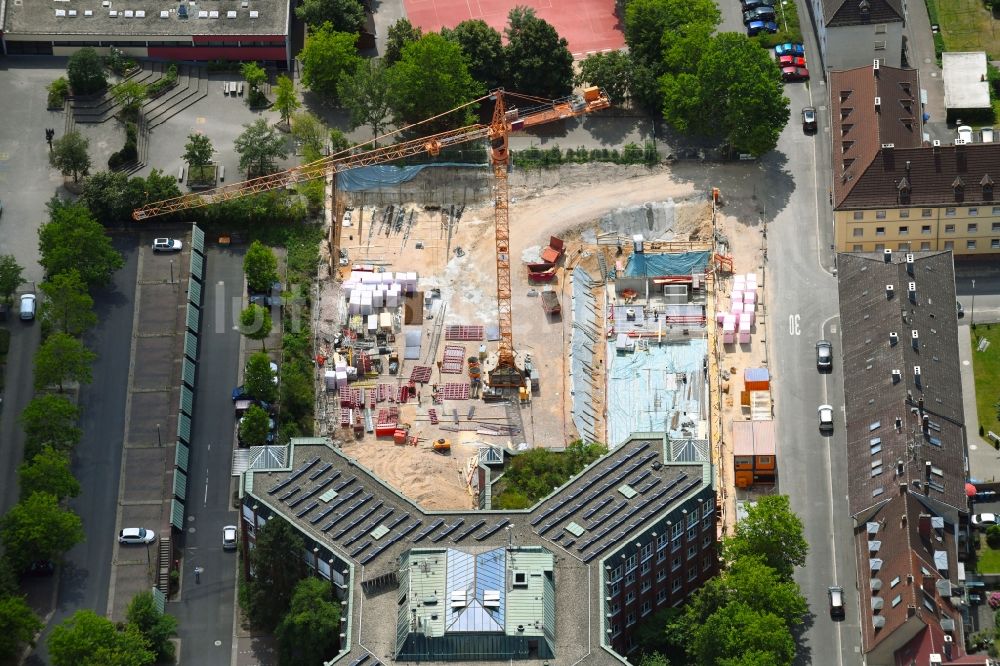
(899,468)
(893,337)
(925,422)
(927,469)
(916,376)
(924,526)
(911,290)
(987,184)
(878,104)
(909,263)
(915,339)
(875,66)
(907,167)
(897,376)
(889,291)
(887,256)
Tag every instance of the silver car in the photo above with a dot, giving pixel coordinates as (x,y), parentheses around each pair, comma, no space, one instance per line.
(167,245)
(229,537)
(140,535)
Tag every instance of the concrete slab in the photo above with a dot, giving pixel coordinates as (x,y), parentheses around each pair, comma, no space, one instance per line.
(133,577)
(163,316)
(144,484)
(965,84)
(148,409)
(156,363)
(157,265)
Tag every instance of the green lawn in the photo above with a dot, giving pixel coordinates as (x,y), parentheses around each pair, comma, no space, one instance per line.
(988,559)
(966,25)
(986,367)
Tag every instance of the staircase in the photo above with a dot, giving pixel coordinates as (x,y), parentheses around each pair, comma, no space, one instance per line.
(163,566)
(603,265)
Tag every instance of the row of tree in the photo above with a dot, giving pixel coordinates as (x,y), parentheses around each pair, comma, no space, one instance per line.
(746,615)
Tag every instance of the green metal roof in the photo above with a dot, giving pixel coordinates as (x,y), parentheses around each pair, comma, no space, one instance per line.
(197,265)
(193,318)
(194,292)
(197,238)
(159,599)
(181,454)
(180,484)
(184,428)
(187,372)
(427,583)
(526,603)
(191,345)
(187,400)
(177,514)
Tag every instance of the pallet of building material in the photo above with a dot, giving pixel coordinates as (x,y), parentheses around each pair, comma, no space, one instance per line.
(454,359)
(345,417)
(350,397)
(420,374)
(387,416)
(453,391)
(432,413)
(383,392)
(463,333)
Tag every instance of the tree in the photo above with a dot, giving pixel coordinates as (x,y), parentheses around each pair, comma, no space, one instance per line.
(771,531)
(308,634)
(38,528)
(62,358)
(538,472)
(993,536)
(255,76)
(736,94)
(365,94)
(258,378)
(50,420)
(129,94)
(654,659)
(277,566)
(255,424)
(67,306)
(58,92)
(297,394)
(483,50)
(69,155)
(255,323)
(650,25)
(310,132)
(48,472)
(18,627)
(73,239)
(327,55)
(261,268)
(538,59)
(343,15)
(739,632)
(10,276)
(430,79)
(400,33)
(259,146)
(285,100)
(104,194)
(198,150)
(86,72)
(88,639)
(152,623)
(157,186)
(610,71)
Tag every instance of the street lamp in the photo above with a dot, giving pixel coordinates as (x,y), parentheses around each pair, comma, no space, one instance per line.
(972,320)
(158,440)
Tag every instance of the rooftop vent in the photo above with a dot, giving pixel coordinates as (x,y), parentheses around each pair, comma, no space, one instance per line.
(128,13)
(916,375)
(88,12)
(915,339)
(140,13)
(113,13)
(960,142)
(889,290)
(911,289)
(875,65)
(71,12)
(164,13)
(897,376)
(878,103)
(214,13)
(231,14)
(893,338)
(885,146)
(909,262)
(887,256)
(254,14)
(520,579)
(60,12)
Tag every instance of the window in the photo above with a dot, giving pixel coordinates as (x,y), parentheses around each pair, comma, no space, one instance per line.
(996,210)
(661,575)
(630,578)
(676,564)
(675,537)
(692,551)
(880,45)
(925,229)
(631,563)
(615,630)
(995,226)
(894,582)
(973,227)
(661,595)
(616,575)
(692,532)
(949,228)
(707,515)
(676,585)
(647,608)
(616,608)
(707,564)
(646,585)
(950,212)
(881,28)
(647,551)
(706,541)
(630,620)
(692,518)
(661,556)
(904,213)
(904,247)
(661,541)
(858,232)
(879,247)
(880,231)
(857,248)
(995,243)
(859,215)
(880,215)
(904,230)
(629,598)
(970,245)
(925,245)
(692,573)
(973,212)
(949,245)
(645,567)
(896,600)
(614,589)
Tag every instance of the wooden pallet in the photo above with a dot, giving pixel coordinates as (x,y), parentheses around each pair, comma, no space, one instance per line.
(464,333)
(454,358)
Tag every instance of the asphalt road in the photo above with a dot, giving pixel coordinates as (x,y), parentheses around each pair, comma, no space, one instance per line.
(86,573)
(24,338)
(205,609)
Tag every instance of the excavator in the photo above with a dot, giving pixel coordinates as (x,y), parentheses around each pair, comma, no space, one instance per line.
(505,120)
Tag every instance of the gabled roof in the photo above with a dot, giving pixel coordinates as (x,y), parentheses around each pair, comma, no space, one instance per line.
(838,13)
(860,128)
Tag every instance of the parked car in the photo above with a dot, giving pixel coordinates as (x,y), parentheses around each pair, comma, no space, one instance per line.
(965,133)
(794,74)
(836,594)
(789,48)
(759,14)
(984,519)
(757,27)
(824,355)
(961,310)
(229,537)
(825,413)
(131,535)
(808,119)
(791,61)
(28,302)
(754,4)
(240,393)
(40,568)
(167,245)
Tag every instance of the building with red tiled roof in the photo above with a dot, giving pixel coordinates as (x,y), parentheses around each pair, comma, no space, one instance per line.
(892,190)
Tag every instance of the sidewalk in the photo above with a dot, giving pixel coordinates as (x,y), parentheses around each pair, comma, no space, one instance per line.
(921,56)
(984,461)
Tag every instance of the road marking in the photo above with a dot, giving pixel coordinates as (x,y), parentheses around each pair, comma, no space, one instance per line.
(819,255)
(206,487)
(829,482)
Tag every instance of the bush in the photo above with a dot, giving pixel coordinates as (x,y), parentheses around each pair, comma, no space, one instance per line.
(58,92)
(631,154)
(129,152)
(160,86)
(993,536)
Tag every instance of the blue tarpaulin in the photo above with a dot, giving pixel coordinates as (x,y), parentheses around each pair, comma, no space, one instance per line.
(376,177)
(656,265)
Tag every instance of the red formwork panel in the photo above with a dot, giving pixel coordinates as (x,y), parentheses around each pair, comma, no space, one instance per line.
(464,333)
(421,374)
(454,359)
(455,391)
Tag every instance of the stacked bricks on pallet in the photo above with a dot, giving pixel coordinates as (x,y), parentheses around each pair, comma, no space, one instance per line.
(385,424)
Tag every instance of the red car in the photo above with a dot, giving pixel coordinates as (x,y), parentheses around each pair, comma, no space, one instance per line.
(792,61)
(794,74)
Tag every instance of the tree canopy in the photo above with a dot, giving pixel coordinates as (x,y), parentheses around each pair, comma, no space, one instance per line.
(88,639)
(86,72)
(73,239)
(261,267)
(111,196)
(536,473)
(308,634)
(11,276)
(258,379)
(430,79)
(255,323)
(50,419)
(610,71)
(48,472)
(310,131)
(365,94)
(652,25)
(198,150)
(771,531)
(538,59)
(129,94)
(38,528)
(326,57)
(277,567)
(18,626)
(62,358)
(157,627)
(285,99)
(67,307)
(254,426)
(400,33)
(483,50)
(259,147)
(343,15)
(739,634)
(69,155)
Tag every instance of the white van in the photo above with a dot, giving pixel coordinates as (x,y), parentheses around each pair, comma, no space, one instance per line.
(27,307)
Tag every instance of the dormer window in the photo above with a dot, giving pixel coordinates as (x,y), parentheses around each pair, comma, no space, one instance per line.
(903,190)
(987,184)
(958,187)
(865,8)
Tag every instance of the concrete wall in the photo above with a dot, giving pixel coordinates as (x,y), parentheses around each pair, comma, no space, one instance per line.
(431,187)
(854,46)
(945,228)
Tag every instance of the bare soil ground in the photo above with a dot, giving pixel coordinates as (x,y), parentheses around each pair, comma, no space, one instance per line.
(565,203)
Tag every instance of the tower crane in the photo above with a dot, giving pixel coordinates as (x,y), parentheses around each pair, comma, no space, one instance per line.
(505,120)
